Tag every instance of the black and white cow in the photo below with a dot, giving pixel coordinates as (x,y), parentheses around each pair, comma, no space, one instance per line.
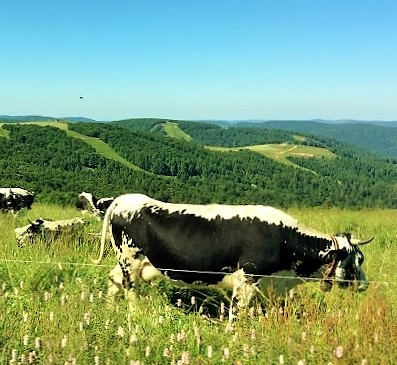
(103,204)
(49,230)
(15,199)
(203,243)
(87,203)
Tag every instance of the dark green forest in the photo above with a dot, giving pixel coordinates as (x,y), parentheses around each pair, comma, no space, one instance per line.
(58,168)
(378,138)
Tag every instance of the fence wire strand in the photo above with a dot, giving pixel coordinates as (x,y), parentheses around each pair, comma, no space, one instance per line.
(286,277)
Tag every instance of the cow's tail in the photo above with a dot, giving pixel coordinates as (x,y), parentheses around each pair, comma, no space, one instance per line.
(106,224)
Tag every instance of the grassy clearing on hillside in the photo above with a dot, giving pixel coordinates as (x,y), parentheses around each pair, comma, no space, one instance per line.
(173,130)
(3,132)
(100,146)
(280,152)
(53,307)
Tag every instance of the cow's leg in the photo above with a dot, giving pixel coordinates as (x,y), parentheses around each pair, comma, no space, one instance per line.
(149,272)
(243,291)
(120,280)
(131,267)
(115,285)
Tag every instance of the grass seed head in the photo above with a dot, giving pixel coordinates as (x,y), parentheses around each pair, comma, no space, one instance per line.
(209,351)
(38,343)
(339,351)
(64,341)
(32,357)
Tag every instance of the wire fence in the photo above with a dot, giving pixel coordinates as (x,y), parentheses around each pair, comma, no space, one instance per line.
(203,272)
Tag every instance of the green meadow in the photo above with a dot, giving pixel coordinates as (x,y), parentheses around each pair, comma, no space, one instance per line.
(3,132)
(54,309)
(279,152)
(174,131)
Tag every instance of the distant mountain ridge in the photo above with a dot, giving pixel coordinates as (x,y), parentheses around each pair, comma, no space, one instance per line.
(39,118)
(222,122)
(383,123)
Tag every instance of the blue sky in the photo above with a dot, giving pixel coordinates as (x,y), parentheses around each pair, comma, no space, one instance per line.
(199,59)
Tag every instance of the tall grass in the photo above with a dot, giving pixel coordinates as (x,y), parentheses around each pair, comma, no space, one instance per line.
(53,308)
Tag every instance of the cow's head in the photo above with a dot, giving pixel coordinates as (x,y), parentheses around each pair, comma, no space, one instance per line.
(27,232)
(346,260)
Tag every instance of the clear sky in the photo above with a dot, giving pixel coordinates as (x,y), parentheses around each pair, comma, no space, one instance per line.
(199,59)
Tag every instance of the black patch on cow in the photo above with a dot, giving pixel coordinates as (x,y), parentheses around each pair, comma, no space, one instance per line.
(182,241)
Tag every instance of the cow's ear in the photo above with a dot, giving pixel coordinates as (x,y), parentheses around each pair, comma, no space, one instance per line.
(35,226)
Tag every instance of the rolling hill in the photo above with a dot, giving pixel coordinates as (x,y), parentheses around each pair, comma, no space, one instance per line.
(376,137)
(108,160)
(379,137)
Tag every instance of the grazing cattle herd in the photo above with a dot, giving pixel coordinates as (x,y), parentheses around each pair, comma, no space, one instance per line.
(226,245)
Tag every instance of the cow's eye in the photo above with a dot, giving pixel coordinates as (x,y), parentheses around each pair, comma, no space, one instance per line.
(342,255)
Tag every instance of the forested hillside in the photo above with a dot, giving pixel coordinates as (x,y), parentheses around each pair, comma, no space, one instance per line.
(208,134)
(378,139)
(58,167)
(375,136)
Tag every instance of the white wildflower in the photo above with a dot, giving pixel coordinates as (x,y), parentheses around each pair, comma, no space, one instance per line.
(209,351)
(339,352)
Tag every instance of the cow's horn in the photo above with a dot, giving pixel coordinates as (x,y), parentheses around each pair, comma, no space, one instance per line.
(358,242)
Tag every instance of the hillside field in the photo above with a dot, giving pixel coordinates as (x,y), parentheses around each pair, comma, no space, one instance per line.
(4,133)
(100,147)
(173,130)
(53,306)
(280,152)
